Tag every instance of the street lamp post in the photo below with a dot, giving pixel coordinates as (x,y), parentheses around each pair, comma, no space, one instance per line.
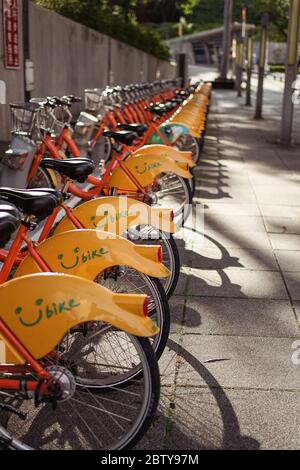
(290,73)
(239,65)
(261,65)
(249,68)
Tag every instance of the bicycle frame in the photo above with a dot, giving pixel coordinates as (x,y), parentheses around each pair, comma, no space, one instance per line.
(118,162)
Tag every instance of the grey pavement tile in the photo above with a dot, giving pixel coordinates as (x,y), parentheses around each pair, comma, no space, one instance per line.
(233,223)
(182,283)
(226,196)
(235,419)
(297,311)
(284,225)
(280,197)
(177,304)
(234,239)
(168,362)
(240,317)
(235,283)
(260,260)
(230,209)
(292,280)
(238,362)
(285,242)
(273,210)
(288,260)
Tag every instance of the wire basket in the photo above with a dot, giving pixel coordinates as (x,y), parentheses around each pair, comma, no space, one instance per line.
(15,160)
(45,118)
(23,118)
(93,100)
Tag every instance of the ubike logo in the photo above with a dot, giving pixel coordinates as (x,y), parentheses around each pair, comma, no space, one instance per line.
(111,218)
(81,257)
(147,167)
(45,311)
(2,92)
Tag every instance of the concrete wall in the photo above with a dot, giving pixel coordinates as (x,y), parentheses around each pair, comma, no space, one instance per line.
(69,57)
(14,80)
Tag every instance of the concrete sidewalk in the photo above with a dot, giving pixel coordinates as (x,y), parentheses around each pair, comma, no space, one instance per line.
(228,376)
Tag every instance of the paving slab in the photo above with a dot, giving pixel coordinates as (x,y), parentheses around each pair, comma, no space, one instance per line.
(232,239)
(240,317)
(285,242)
(240,362)
(235,283)
(292,280)
(283,225)
(214,258)
(288,260)
(279,210)
(233,223)
(232,209)
(235,419)
(177,306)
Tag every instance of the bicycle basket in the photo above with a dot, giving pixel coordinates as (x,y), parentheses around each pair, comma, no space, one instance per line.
(93,99)
(14,159)
(23,116)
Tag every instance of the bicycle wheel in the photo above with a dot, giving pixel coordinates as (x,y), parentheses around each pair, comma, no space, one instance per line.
(173,192)
(189,143)
(170,254)
(192,182)
(41,179)
(129,281)
(85,420)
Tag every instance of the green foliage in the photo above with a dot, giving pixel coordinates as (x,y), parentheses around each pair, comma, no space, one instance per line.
(110,17)
(203,12)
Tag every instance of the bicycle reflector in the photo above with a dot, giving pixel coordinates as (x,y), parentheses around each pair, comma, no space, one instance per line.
(146,307)
(160,254)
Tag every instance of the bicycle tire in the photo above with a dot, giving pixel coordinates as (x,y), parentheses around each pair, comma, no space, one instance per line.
(162,309)
(138,428)
(171,258)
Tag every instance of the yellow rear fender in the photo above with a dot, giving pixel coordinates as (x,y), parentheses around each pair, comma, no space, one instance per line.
(117,215)
(145,169)
(165,151)
(191,129)
(87,253)
(40,309)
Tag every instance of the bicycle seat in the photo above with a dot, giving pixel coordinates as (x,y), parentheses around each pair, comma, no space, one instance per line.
(8,225)
(140,129)
(77,169)
(125,137)
(169,105)
(35,202)
(158,109)
(10,210)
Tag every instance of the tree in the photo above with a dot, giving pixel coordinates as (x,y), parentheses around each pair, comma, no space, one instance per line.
(114,18)
(205,11)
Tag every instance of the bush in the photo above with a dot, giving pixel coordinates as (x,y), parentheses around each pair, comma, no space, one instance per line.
(96,15)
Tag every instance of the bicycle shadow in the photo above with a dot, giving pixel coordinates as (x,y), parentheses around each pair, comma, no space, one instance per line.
(205,412)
